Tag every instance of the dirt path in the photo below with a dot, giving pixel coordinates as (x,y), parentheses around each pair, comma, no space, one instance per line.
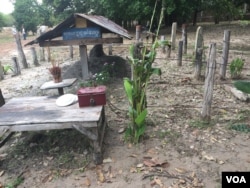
(177,151)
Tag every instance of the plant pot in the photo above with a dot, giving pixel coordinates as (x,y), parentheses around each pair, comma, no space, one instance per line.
(57,78)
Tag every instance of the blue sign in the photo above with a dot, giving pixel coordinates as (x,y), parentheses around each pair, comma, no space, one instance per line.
(81,33)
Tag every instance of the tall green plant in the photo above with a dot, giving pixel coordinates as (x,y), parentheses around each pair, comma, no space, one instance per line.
(141,59)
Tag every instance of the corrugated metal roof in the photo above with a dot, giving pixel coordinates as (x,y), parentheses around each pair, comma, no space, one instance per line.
(69,22)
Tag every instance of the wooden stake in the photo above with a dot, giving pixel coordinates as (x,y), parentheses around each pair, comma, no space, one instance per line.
(20,51)
(84,61)
(184,38)
(173,35)
(179,59)
(34,56)
(209,84)
(16,67)
(226,43)
(198,53)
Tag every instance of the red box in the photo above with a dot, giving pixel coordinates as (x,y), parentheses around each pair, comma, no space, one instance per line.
(92,96)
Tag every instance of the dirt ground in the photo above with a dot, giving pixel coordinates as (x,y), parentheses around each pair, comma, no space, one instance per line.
(177,151)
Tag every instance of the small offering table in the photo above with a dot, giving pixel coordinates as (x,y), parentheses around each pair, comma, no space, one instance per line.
(59,86)
(42,113)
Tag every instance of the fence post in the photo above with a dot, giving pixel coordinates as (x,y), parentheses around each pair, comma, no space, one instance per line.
(173,35)
(1,72)
(226,43)
(16,67)
(184,38)
(2,100)
(21,54)
(41,54)
(209,84)
(71,52)
(198,53)
(179,59)
(138,33)
(34,56)
(163,46)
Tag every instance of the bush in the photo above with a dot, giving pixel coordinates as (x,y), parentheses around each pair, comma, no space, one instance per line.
(236,67)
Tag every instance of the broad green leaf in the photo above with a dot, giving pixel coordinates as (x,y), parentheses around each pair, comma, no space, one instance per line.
(156,71)
(140,119)
(129,89)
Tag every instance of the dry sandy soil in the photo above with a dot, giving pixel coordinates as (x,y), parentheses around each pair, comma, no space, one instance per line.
(177,151)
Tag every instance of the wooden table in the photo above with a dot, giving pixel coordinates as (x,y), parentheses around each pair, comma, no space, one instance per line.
(65,83)
(42,113)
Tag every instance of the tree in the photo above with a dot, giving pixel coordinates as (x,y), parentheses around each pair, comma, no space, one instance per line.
(29,13)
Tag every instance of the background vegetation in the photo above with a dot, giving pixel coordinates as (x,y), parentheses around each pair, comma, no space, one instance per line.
(30,13)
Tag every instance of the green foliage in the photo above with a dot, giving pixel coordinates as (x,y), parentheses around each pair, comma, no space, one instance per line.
(236,67)
(30,14)
(241,128)
(7,68)
(243,86)
(141,60)
(15,183)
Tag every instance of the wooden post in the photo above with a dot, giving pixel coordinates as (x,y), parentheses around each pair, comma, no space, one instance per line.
(84,61)
(163,46)
(179,59)
(71,52)
(168,51)
(110,49)
(41,54)
(16,67)
(226,43)
(20,51)
(209,84)
(1,72)
(184,38)
(173,35)
(138,33)
(34,56)
(2,101)
(49,54)
(198,53)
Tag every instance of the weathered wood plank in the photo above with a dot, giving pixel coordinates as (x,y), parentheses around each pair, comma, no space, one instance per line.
(80,42)
(43,110)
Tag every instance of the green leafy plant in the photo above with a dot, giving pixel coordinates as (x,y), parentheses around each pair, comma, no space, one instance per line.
(241,128)
(7,68)
(243,86)
(15,183)
(236,67)
(141,59)
(104,76)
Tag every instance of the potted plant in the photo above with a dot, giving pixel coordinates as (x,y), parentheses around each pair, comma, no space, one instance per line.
(56,71)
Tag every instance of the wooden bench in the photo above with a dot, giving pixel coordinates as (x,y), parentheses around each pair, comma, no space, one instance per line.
(42,113)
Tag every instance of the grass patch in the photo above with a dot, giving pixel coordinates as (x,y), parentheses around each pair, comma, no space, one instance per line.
(201,124)
(15,183)
(240,127)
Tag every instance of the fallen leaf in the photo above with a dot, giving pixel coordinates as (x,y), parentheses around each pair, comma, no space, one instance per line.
(140,165)
(181,170)
(87,182)
(221,162)
(121,130)
(155,163)
(158,181)
(133,170)
(133,155)
(100,176)
(108,160)
(2,173)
